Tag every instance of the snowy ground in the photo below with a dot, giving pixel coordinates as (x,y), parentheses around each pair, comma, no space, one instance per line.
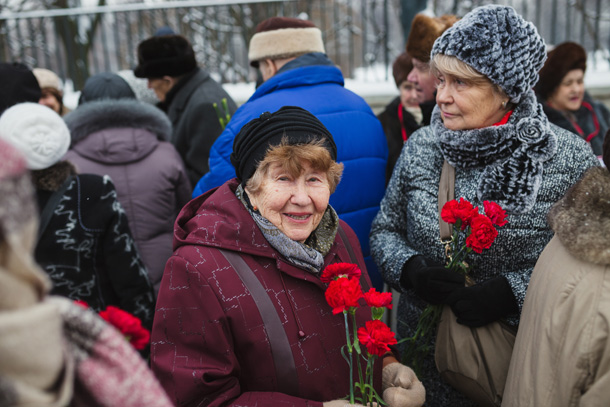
(373,86)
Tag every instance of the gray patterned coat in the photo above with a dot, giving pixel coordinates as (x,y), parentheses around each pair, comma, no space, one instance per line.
(407,225)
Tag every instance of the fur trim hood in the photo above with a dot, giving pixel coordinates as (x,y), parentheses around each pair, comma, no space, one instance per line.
(107,114)
(51,179)
(581,219)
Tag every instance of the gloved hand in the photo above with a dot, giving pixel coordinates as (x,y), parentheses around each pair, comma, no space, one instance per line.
(342,403)
(483,303)
(401,387)
(431,281)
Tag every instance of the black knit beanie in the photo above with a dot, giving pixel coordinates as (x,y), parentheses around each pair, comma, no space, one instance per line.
(292,123)
(18,85)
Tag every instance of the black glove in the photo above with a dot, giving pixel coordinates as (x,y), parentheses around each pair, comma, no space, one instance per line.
(483,303)
(430,280)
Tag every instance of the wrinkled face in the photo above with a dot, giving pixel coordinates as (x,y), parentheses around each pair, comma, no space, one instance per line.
(423,80)
(408,94)
(570,92)
(467,106)
(48,100)
(294,205)
(161,87)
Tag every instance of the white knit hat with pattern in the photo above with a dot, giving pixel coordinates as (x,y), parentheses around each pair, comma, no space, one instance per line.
(37,132)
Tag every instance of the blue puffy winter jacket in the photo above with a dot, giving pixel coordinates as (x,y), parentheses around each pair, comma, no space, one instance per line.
(360,140)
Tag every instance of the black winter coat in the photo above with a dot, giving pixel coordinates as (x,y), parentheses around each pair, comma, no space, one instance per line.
(190,107)
(87,248)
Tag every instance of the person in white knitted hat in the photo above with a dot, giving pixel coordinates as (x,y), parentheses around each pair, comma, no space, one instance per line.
(83,241)
(54,352)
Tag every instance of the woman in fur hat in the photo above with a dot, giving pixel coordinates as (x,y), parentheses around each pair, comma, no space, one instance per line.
(114,134)
(567,305)
(561,89)
(487,125)
(84,242)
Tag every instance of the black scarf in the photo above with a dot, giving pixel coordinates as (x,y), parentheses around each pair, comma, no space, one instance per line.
(513,154)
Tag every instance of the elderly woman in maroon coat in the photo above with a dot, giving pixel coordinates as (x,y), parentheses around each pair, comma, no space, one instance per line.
(242,318)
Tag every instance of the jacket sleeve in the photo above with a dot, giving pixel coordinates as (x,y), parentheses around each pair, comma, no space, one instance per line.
(203,128)
(183,186)
(220,167)
(388,238)
(192,349)
(126,270)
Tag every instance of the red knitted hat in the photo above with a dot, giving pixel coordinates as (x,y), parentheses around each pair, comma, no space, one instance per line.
(284,37)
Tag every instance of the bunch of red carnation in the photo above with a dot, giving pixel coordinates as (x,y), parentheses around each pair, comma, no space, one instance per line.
(473,231)
(481,233)
(344,295)
(129,325)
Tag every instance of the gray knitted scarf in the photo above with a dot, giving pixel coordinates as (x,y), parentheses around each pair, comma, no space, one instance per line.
(513,154)
(308,255)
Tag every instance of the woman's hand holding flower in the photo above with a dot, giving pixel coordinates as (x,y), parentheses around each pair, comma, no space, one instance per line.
(401,387)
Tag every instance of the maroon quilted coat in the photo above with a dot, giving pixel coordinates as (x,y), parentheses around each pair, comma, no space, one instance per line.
(210,346)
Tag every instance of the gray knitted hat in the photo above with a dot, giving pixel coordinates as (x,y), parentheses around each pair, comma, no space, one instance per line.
(500,44)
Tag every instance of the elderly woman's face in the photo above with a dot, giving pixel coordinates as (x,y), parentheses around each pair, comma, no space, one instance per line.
(295,205)
(570,92)
(467,106)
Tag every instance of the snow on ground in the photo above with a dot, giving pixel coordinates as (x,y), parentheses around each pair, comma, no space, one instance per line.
(372,85)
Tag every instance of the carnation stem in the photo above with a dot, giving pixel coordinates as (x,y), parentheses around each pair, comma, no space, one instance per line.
(359,352)
(350,351)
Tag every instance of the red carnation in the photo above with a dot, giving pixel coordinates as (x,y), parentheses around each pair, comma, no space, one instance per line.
(337,270)
(81,303)
(376,299)
(129,325)
(458,210)
(377,337)
(343,294)
(495,213)
(482,235)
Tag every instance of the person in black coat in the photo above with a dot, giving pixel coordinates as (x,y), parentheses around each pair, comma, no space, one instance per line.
(187,94)
(402,116)
(84,241)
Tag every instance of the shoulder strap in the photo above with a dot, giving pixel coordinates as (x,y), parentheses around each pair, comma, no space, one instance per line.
(49,208)
(352,256)
(285,368)
(446,192)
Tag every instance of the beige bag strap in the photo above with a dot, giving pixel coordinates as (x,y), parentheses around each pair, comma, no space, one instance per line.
(446,192)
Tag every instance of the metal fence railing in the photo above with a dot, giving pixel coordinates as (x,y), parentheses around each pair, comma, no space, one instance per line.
(76,43)
(358,34)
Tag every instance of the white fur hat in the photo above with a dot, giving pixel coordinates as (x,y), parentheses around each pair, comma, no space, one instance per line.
(37,132)
(284,37)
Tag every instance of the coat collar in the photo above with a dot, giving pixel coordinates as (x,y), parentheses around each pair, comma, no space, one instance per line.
(219,219)
(581,219)
(179,97)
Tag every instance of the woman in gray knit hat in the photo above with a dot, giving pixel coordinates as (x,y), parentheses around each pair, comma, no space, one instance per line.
(487,125)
